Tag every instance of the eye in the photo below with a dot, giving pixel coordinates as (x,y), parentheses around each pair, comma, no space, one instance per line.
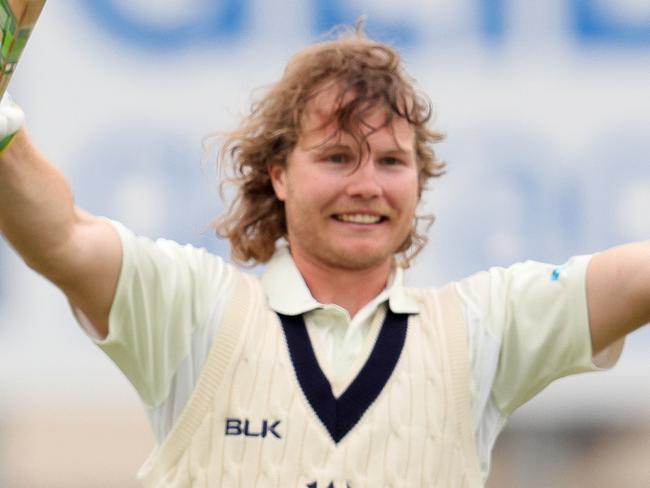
(339,158)
(391,161)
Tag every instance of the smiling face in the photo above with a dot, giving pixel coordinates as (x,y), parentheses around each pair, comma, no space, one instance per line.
(348,205)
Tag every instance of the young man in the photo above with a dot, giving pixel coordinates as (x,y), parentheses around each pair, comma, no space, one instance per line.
(327,371)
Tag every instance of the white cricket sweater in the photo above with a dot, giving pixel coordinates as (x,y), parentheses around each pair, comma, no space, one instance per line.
(263,415)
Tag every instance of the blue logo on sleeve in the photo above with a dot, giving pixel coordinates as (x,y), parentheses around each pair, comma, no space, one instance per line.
(557,272)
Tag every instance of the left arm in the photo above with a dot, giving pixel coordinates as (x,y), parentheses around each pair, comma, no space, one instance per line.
(618,293)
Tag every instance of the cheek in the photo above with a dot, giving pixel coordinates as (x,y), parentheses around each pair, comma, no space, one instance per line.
(406,192)
(314,190)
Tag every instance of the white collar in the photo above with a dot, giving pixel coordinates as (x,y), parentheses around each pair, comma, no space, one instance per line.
(288,293)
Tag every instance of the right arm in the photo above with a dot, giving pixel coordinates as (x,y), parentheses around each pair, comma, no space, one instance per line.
(170,297)
(78,252)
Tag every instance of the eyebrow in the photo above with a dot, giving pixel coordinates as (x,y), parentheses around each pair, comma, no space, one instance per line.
(326,146)
(338,146)
(398,150)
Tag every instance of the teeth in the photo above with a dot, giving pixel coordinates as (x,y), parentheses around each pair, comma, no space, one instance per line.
(359,218)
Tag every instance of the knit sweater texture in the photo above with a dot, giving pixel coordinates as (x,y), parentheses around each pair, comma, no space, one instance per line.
(261,414)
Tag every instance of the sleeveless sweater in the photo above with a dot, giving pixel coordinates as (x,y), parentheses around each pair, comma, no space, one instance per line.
(263,414)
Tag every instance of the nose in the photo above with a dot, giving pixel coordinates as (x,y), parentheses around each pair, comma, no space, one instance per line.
(364,181)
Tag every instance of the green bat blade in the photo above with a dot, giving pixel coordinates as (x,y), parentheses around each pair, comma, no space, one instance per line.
(17,19)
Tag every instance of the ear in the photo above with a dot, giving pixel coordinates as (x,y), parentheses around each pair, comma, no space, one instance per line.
(277,173)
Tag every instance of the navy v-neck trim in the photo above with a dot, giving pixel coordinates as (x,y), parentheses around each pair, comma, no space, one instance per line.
(340,415)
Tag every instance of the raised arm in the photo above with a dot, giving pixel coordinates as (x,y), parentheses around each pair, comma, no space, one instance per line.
(80,253)
(618,292)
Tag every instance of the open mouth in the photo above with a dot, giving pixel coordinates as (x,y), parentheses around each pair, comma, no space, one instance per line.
(360,218)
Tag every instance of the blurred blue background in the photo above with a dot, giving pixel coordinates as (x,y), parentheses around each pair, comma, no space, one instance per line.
(545,105)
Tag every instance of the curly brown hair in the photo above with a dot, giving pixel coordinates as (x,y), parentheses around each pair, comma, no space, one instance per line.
(366,74)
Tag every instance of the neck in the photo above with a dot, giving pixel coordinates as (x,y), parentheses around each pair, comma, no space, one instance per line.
(347,288)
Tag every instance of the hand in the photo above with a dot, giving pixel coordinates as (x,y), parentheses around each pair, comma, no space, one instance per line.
(12,119)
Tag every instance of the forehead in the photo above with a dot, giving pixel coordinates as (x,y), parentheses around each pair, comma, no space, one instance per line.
(323,119)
